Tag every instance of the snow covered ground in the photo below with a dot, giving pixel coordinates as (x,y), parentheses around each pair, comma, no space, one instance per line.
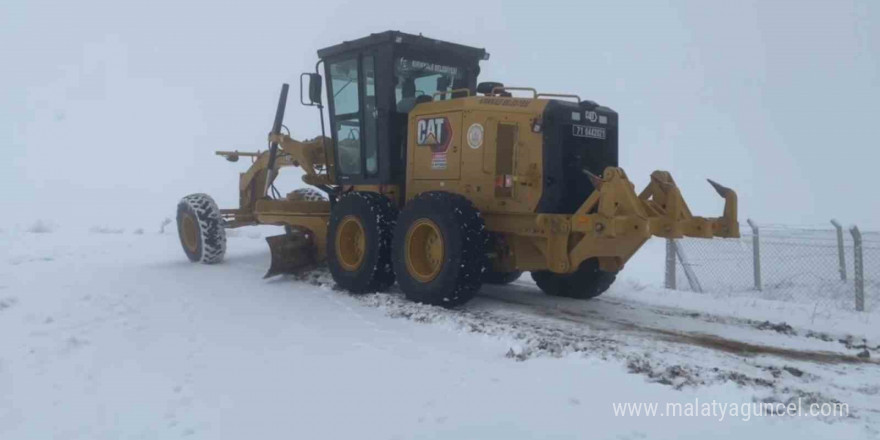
(108,334)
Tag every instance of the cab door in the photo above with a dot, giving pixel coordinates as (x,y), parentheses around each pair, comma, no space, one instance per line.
(351,87)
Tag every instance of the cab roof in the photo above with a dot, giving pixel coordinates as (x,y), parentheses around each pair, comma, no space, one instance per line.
(417,42)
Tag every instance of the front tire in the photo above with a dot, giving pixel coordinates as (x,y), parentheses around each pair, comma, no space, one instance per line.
(439,249)
(359,242)
(585,283)
(200,227)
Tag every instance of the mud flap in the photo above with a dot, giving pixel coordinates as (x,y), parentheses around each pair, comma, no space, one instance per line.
(291,253)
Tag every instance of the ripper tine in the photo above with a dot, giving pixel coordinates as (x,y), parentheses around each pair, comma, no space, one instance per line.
(594,179)
(721,189)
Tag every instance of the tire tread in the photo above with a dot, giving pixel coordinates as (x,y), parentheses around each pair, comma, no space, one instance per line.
(212,232)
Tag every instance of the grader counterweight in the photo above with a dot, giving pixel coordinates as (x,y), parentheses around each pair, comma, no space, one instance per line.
(440,184)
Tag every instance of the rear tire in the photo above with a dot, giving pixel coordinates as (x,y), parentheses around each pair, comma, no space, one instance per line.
(501,278)
(439,249)
(359,242)
(587,282)
(200,227)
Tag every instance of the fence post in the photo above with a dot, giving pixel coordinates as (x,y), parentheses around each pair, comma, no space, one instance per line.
(756,253)
(858,269)
(689,273)
(670,264)
(841,255)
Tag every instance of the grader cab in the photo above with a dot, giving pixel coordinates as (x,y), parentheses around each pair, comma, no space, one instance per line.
(440,183)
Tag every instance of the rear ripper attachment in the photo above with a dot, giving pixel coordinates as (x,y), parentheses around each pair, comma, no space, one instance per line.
(614,222)
(440,184)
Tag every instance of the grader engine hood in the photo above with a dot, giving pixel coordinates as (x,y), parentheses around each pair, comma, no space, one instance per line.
(590,209)
(579,138)
(582,206)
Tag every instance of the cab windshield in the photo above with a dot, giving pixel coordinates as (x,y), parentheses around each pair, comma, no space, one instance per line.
(415,78)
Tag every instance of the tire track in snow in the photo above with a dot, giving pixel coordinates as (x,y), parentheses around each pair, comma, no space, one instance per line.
(705,340)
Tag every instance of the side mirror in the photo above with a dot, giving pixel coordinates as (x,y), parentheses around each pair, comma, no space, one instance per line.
(314,89)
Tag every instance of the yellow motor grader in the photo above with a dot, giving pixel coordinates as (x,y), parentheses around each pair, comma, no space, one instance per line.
(440,183)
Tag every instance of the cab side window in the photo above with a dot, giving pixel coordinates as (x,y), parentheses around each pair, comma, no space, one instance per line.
(417,78)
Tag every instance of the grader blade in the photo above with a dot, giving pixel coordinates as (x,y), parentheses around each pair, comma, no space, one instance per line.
(291,253)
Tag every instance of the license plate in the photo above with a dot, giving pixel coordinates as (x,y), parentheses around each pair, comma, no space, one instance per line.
(588,132)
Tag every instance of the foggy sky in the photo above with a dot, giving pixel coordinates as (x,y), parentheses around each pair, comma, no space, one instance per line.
(110,111)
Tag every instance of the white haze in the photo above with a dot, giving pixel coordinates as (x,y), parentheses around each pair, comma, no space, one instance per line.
(110,111)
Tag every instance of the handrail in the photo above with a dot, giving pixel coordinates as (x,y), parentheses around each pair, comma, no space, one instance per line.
(468,91)
(560,95)
(528,89)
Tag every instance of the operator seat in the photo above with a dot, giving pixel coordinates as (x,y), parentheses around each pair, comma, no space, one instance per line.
(408,96)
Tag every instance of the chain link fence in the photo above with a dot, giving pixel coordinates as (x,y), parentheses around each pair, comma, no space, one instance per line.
(829,267)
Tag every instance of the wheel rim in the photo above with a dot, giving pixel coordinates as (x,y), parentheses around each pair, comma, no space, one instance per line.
(190,233)
(424,250)
(351,243)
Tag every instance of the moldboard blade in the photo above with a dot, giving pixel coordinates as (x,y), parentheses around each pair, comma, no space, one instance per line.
(291,253)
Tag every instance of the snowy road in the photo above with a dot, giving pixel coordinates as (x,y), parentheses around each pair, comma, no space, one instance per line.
(118,336)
